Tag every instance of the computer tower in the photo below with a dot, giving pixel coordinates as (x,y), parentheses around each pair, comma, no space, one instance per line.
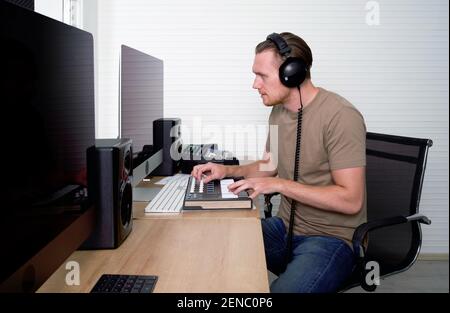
(110,170)
(167,136)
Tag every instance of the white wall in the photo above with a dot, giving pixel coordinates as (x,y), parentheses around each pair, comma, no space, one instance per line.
(50,8)
(396,72)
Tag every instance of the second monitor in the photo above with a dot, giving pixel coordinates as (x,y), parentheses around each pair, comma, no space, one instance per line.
(141,103)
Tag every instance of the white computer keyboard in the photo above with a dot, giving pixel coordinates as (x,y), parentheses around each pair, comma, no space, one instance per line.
(170,198)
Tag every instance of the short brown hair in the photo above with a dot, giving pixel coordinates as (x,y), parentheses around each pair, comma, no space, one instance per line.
(299,49)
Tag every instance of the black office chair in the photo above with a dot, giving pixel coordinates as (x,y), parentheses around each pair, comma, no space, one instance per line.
(394,176)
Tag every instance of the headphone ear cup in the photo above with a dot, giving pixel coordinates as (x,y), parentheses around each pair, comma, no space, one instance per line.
(293,72)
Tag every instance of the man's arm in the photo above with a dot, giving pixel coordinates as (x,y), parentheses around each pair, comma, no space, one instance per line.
(263,168)
(345,196)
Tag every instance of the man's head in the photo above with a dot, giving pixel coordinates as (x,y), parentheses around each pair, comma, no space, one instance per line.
(267,63)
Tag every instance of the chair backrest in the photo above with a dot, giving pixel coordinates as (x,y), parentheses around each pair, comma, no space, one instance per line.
(395,171)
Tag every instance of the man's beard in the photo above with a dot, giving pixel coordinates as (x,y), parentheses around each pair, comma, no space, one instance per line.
(272,103)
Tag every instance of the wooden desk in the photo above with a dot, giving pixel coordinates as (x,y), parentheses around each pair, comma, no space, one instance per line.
(188,255)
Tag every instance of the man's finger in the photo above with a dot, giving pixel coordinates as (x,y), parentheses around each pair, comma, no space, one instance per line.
(208,178)
(241,188)
(200,170)
(254,194)
(236,184)
(196,170)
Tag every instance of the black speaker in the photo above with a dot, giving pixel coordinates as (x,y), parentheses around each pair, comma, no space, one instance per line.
(167,136)
(110,170)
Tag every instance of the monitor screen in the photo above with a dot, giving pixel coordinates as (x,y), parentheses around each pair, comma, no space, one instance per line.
(47,123)
(141,95)
(141,102)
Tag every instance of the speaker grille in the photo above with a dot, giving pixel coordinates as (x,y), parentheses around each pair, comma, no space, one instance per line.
(126,203)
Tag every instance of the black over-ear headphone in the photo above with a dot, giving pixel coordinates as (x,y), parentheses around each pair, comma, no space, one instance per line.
(292,72)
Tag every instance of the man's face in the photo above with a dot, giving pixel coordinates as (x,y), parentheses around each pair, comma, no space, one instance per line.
(267,82)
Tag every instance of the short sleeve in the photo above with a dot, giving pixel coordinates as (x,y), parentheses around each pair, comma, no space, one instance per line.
(346,139)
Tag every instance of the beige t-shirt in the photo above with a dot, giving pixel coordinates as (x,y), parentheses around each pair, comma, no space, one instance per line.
(333,137)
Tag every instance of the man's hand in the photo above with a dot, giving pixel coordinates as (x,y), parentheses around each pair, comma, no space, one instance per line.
(211,170)
(258,185)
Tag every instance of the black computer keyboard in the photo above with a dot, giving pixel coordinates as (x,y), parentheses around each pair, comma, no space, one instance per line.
(115,283)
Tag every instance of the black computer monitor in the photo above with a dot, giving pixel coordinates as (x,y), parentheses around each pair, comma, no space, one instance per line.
(141,102)
(46,124)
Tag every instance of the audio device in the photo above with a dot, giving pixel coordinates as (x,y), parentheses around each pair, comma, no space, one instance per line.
(292,72)
(214,195)
(167,136)
(110,170)
(195,154)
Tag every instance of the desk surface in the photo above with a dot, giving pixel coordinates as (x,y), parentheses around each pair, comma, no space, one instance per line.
(195,251)
(188,255)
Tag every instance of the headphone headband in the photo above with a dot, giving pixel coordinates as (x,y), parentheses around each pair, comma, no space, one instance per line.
(293,71)
(282,46)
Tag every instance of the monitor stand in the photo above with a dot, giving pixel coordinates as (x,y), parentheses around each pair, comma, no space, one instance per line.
(140,172)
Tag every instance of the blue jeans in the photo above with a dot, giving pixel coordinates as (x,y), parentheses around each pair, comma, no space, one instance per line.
(319,263)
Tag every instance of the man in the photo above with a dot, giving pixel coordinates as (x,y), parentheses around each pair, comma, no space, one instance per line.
(328,196)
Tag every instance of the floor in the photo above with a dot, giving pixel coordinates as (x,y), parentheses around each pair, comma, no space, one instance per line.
(422,277)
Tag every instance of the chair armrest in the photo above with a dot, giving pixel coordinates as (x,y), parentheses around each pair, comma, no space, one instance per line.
(419,217)
(268,204)
(362,230)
